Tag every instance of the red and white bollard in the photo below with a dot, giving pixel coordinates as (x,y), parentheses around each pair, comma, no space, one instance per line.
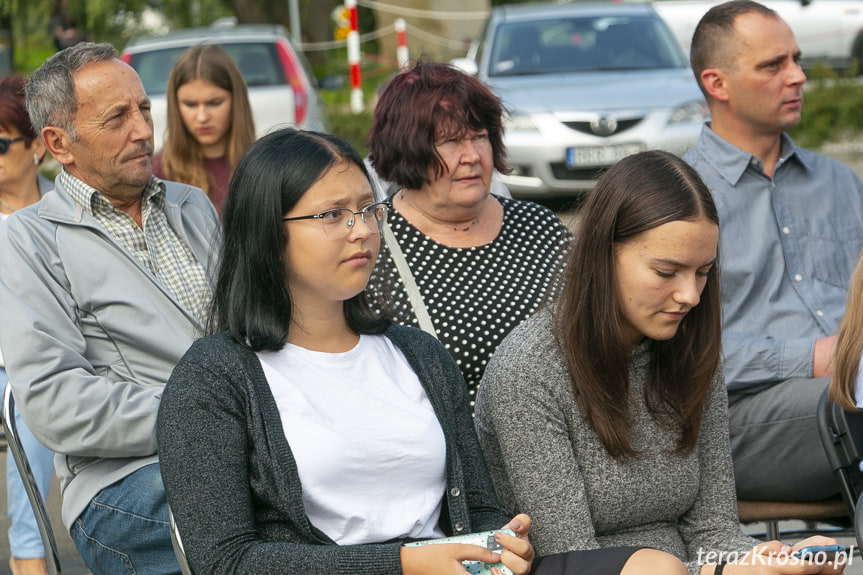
(354,59)
(401,43)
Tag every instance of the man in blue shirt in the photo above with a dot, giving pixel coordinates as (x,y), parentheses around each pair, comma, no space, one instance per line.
(791,229)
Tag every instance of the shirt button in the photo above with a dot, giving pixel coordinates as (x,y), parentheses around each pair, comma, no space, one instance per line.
(455,492)
(819,313)
(786,230)
(459,526)
(798,277)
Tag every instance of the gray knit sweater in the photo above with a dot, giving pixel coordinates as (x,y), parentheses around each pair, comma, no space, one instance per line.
(232,481)
(546,461)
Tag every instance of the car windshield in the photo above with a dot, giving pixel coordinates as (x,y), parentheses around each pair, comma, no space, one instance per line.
(583,44)
(258,62)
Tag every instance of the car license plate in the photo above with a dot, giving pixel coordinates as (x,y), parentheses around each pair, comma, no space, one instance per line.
(600,155)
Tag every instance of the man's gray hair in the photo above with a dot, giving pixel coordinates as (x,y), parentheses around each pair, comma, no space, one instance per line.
(50,92)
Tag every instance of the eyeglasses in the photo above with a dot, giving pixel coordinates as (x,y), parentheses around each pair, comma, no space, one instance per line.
(338,222)
(6,142)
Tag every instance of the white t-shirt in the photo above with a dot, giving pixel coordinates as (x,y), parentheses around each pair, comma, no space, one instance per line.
(370,451)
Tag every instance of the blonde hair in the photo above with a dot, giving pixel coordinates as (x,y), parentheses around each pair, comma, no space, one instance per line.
(849,346)
(182,158)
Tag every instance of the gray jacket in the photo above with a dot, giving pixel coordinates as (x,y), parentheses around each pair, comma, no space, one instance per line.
(90,336)
(45,185)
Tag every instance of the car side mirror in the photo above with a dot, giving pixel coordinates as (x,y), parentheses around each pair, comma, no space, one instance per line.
(466,65)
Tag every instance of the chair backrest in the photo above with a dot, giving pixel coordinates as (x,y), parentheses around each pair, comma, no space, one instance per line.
(858,523)
(177,544)
(37,503)
(841,435)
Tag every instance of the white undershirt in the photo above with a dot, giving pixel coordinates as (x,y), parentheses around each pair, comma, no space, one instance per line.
(370,451)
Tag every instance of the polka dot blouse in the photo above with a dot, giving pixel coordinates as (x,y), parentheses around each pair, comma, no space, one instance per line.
(475,296)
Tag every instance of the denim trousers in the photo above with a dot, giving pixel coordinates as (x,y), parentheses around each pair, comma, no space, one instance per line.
(124,529)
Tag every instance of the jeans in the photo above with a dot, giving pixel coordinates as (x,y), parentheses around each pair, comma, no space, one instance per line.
(24,539)
(124,529)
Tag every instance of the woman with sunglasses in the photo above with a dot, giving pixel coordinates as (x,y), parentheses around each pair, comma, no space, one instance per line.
(21,184)
(308,434)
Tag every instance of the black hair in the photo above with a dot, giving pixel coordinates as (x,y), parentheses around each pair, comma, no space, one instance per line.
(251,298)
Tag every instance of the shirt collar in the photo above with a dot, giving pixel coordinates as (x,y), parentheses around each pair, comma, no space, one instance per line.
(89,197)
(731,162)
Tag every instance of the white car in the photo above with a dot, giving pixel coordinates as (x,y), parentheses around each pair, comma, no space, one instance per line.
(585,85)
(280,83)
(828,31)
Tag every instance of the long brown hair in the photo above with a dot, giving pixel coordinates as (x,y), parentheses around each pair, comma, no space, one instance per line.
(639,193)
(182,159)
(849,346)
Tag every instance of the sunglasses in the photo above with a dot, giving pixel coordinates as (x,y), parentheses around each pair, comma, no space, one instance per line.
(6,142)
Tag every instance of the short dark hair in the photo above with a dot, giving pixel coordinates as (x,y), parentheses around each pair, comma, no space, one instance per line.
(251,298)
(715,43)
(419,105)
(639,193)
(13,112)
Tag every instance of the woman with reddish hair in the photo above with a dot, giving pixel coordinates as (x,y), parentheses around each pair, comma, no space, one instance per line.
(481,263)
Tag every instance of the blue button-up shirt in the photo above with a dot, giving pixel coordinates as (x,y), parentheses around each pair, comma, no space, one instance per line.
(788,246)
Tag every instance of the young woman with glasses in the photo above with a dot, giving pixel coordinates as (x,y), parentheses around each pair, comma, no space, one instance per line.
(308,434)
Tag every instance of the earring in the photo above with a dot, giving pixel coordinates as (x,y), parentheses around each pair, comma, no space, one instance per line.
(35,160)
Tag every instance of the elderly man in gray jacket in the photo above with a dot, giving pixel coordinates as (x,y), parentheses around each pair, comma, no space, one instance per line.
(104,283)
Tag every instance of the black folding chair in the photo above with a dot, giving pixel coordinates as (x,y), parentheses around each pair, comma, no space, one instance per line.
(30,486)
(177,544)
(840,432)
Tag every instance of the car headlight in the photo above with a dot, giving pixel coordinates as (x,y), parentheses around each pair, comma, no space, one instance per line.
(520,122)
(690,112)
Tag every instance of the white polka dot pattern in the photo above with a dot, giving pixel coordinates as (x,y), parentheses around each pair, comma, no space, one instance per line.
(475,296)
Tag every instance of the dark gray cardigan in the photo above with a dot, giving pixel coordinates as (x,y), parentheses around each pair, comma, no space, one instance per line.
(232,481)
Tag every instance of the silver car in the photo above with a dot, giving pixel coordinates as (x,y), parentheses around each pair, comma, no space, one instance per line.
(586,85)
(281,85)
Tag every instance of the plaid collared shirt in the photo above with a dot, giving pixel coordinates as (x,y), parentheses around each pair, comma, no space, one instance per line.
(157,247)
